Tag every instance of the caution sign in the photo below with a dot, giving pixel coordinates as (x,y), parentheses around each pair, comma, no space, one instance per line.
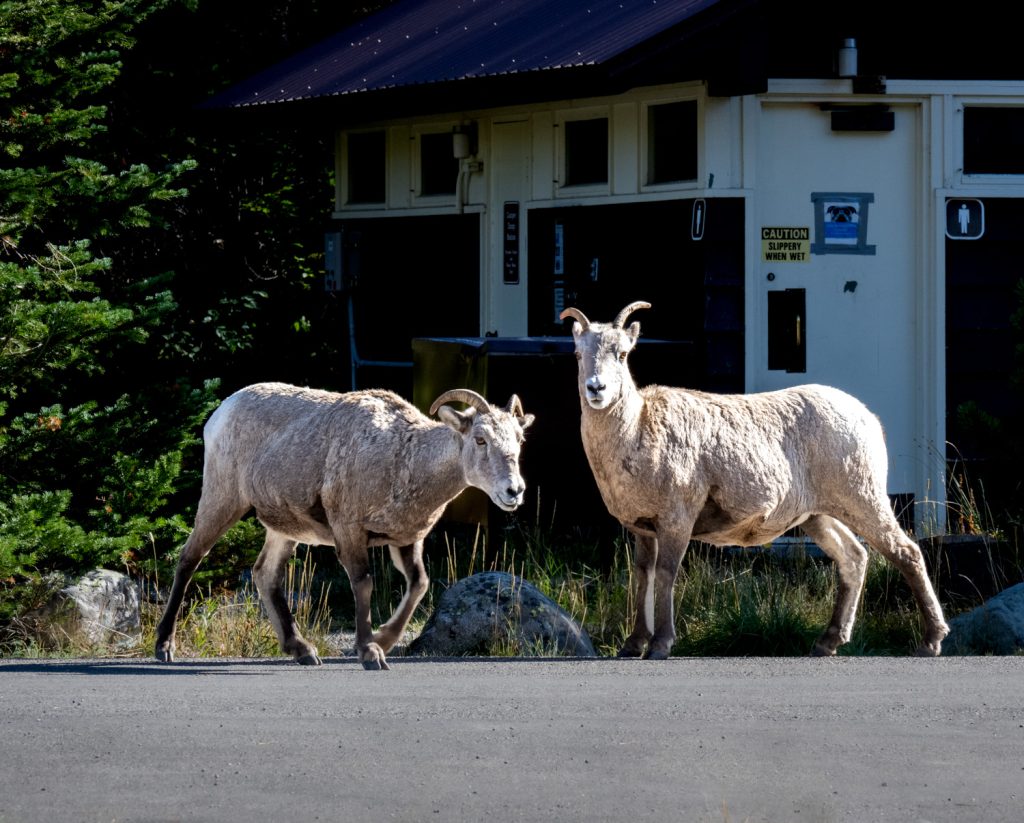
(785,244)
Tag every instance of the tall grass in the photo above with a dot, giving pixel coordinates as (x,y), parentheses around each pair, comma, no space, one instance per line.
(211,624)
(738,602)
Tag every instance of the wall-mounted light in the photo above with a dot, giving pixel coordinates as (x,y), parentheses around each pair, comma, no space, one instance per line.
(464,141)
(846,61)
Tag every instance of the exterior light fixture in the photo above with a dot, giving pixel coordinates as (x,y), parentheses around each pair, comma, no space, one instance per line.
(463,139)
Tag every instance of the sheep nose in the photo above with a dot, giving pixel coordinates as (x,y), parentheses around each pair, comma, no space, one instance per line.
(595,386)
(515,491)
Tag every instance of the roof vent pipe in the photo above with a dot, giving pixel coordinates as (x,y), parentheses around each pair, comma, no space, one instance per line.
(847,58)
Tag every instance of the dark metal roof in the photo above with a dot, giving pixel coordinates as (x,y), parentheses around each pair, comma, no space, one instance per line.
(420,42)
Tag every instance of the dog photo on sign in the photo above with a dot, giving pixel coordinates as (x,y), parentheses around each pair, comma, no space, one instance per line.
(842,223)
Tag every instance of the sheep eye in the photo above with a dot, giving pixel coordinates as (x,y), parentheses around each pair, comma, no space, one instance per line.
(480,441)
(579,356)
(622,357)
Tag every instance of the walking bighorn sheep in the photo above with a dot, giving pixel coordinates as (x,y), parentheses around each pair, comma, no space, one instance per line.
(348,470)
(673,464)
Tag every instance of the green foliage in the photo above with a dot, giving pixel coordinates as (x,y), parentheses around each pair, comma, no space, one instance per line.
(232,556)
(105,264)
(91,453)
(90,486)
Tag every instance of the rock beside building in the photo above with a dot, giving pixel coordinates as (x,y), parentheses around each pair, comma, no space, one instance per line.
(994,627)
(495,611)
(103,606)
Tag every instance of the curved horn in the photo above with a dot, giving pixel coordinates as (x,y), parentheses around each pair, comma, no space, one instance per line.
(467,396)
(577,315)
(620,318)
(515,406)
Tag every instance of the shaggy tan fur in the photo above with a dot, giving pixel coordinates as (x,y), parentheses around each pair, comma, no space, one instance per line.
(674,464)
(348,470)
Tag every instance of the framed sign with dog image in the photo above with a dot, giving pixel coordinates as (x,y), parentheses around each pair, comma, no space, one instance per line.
(841,223)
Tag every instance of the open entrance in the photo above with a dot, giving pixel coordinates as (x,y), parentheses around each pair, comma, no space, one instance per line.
(984,401)
(407,277)
(685,257)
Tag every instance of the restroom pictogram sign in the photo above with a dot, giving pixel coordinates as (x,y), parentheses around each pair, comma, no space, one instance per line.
(965,218)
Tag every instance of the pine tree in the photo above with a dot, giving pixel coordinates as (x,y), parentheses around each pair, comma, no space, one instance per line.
(84,468)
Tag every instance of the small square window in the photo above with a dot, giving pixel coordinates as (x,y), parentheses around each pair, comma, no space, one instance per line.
(586,151)
(439,168)
(993,140)
(366,167)
(672,142)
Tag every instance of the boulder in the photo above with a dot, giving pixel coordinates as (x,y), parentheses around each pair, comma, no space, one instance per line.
(496,611)
(103,606)
(994,627)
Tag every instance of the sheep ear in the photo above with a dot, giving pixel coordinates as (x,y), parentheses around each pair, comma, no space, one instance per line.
(461,421)
(633,331)
(577,329)
(526,420)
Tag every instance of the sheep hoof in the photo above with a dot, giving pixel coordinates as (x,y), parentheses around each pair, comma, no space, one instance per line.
(656,654)
(929,649)
(373,659)
(311,659)
(821,650)
(634,646)
(165,655)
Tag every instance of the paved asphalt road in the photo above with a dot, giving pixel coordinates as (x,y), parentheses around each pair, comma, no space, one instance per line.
(862,739)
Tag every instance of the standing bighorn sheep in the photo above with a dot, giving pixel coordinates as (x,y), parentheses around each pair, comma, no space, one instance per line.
(348,470)
(673,464)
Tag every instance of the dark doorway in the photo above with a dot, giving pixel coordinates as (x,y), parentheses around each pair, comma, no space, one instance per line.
(599,258)
(984,401)
(408,277)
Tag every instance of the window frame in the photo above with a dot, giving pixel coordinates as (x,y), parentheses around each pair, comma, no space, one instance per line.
(563,187)
(345,177)
(960,139)
(418,133)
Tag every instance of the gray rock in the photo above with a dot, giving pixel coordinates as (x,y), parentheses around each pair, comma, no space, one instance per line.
(994,627)
(103,605)
(497,611)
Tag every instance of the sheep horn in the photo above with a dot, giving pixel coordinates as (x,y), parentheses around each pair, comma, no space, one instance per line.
(515,406)
(620,319)
(467,396)
(577,315)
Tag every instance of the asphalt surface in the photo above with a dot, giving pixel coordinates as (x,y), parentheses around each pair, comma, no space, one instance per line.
(864,739)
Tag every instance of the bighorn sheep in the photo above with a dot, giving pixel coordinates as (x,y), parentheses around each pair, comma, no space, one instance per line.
(672,464)
(349,470)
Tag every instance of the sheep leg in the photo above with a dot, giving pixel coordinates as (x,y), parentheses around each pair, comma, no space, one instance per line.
(269,574)
(212,521)
(643,569)
(851,560)
(885,536)
(357,565)
(409,561)
(671,549)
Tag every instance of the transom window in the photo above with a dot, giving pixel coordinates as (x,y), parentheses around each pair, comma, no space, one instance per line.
(672,142)
(439,168)
(366,167)
(993,140)
(586,151)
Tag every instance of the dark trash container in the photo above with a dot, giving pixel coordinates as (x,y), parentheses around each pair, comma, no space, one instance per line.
(562,497)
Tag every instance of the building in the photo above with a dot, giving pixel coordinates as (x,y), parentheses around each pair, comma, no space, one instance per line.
(804,193)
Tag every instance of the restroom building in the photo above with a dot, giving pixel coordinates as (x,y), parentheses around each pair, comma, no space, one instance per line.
(804,193)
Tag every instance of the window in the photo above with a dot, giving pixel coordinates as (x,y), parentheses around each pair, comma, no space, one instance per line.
(586,151)
(672,142)
(366,167)
(993,140)
(439,169)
